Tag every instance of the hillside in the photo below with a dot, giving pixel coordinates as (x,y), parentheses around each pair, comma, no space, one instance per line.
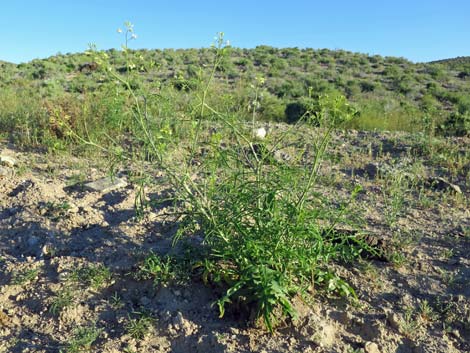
(227,200)
(454,63)
(6,65)
(391,93)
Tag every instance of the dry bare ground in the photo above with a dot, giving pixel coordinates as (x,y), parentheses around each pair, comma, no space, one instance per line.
(68,258)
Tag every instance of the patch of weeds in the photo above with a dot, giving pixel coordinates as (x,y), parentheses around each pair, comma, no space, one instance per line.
(466,231)
(76,181)
(371,272)
(454,199)
(398,259)
(452,311)
(404,239)
(268,234)
(160,269)
(51,170)
(448,277)
(400,241)
(115,301)
(95,276)
(409,325)
(140,326)
(268,237)
(22,170)
(426,312)
(55,211)
(64,298)
(425,199)
(460,279)
(394,194)
(83,339)
(446,254)
(25,277)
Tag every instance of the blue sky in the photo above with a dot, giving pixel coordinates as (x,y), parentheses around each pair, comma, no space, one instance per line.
(417,30)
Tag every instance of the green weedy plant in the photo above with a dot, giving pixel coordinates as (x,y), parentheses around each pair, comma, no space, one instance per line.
(83,339)
(396,187)
(140,326)
(96,276)
(63,299)
(25,277)
(410,326)
(263,239)
(160,269)
(267,234)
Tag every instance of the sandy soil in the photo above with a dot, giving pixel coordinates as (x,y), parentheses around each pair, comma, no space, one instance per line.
(417,300)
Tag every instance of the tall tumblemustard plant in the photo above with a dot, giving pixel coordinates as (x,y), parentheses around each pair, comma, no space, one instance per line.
(262,236)
(263,240)
(155,141)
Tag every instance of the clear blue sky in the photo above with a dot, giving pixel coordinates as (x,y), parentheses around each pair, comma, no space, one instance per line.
(417,30)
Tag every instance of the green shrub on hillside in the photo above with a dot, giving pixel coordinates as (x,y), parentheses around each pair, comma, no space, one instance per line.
(289,72)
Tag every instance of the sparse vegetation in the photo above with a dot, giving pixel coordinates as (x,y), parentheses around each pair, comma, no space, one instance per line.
(254,196)
(139,326)
(159,269)
(40,97)
(26,276)
(62,299)
(95,276)
(82,340)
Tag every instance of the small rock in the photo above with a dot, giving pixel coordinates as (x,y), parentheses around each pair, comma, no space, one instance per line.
(439,183)
(8,161)
(106,184)
(344,317)
(145,301)
(260,133)
(394,321)
(234,330)
(281,156)
(165,315)
(4,172)
(46,250)
(32,241)
(5,320)
(86,209)
(73,208)
(408,300)
(178,321)
(371,347)
(455,333)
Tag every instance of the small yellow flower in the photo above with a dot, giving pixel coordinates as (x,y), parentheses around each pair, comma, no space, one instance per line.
(119,30)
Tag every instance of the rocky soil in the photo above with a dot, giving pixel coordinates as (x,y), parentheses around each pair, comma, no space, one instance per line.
(69,253)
